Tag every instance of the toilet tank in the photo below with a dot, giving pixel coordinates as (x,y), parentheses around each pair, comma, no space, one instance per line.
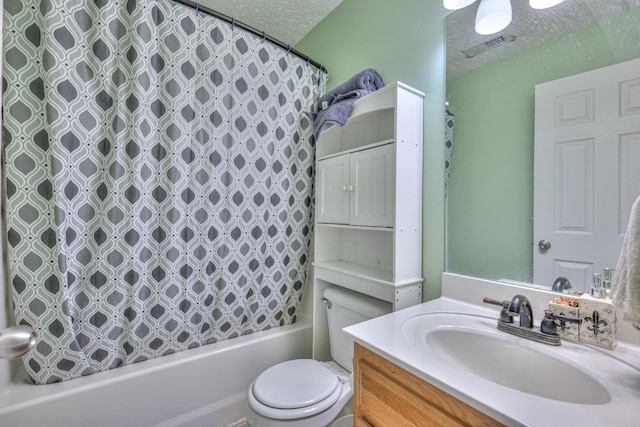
(348,308)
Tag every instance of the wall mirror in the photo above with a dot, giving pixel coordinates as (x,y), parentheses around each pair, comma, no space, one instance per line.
(490,90)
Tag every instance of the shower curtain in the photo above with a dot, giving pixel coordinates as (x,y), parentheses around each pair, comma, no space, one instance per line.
(158,182)
(449,124)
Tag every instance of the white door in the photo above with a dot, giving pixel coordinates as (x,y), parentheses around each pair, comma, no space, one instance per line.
(332,194)
(586,171)
(372,173)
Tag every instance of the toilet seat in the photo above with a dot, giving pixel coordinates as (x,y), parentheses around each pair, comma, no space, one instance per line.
(294,389)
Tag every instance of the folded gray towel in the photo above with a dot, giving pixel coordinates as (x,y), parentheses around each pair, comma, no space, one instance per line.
(338,102)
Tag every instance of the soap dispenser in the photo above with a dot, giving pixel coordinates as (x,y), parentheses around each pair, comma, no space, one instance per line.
(598,290)
(607,278)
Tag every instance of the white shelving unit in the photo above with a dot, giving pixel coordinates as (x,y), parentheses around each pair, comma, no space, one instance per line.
(368,229)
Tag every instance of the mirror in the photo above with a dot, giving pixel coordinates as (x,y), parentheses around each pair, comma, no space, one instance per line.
(491,95)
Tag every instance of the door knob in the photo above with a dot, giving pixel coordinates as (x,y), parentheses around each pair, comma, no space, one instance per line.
(544,245)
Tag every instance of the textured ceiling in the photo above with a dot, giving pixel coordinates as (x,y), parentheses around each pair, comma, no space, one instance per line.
(286,20)
(531,28)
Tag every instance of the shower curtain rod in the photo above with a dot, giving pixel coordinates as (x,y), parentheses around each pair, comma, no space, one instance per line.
(233,21)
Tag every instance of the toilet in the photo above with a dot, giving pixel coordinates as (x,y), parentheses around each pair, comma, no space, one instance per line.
(308,393)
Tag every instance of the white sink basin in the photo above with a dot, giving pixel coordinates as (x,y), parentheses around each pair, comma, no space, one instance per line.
(472,344)
(455,346)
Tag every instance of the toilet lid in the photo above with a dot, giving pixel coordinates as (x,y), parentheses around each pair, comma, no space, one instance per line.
(295,384)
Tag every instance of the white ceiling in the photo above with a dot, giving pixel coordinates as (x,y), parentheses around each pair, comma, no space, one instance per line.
(290,20)
(531,28)
(286,20)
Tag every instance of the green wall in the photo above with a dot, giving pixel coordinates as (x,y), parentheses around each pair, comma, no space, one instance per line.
(490,201)
(404,41)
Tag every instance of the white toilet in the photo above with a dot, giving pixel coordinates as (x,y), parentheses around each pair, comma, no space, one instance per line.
(308,393)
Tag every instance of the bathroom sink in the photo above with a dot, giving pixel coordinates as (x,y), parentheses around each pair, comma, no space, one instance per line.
(472,345)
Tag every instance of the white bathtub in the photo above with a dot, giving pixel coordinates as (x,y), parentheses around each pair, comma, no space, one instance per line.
(200,387)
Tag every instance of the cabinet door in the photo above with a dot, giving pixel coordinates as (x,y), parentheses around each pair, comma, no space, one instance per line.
(387,395)
(332,194)
(372,177)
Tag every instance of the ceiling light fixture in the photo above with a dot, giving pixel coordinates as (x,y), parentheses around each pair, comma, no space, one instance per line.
(495,15)
(456,4)
(543,4)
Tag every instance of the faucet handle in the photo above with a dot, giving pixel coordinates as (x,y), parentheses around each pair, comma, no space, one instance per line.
(488,300)
(548,324)
(504,314)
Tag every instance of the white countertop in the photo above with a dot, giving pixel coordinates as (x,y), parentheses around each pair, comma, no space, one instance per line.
(617,370)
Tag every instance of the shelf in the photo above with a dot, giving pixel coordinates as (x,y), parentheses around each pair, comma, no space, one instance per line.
(360,148)
(370,241)
(370,281)
(382,99)
(360,271)
(354,227)
(376,127)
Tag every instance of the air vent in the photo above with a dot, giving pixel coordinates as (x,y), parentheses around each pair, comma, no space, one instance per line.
(488,45)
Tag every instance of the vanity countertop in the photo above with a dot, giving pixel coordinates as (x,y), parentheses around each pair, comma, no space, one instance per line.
(618,371)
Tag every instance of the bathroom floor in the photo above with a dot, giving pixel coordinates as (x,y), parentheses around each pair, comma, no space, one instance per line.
(347,410)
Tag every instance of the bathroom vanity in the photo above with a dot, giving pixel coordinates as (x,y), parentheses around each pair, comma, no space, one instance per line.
(388,395)
(444,362)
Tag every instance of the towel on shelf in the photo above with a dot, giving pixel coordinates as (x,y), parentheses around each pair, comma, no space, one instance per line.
(625,289)
(335,106)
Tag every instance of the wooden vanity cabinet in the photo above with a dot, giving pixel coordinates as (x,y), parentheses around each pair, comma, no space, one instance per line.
(387,395)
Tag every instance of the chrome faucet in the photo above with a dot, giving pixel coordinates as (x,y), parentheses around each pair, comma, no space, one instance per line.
(561,284)
(521,307)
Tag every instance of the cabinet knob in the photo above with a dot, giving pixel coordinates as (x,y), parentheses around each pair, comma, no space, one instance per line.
(350,188)
(344,188)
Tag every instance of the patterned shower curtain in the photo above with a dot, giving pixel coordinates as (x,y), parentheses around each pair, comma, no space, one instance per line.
(158,180)
(449,124)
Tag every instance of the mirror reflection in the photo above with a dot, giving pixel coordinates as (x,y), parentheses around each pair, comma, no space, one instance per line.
(493,229)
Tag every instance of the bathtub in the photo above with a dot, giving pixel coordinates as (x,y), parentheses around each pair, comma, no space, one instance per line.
(200,387)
